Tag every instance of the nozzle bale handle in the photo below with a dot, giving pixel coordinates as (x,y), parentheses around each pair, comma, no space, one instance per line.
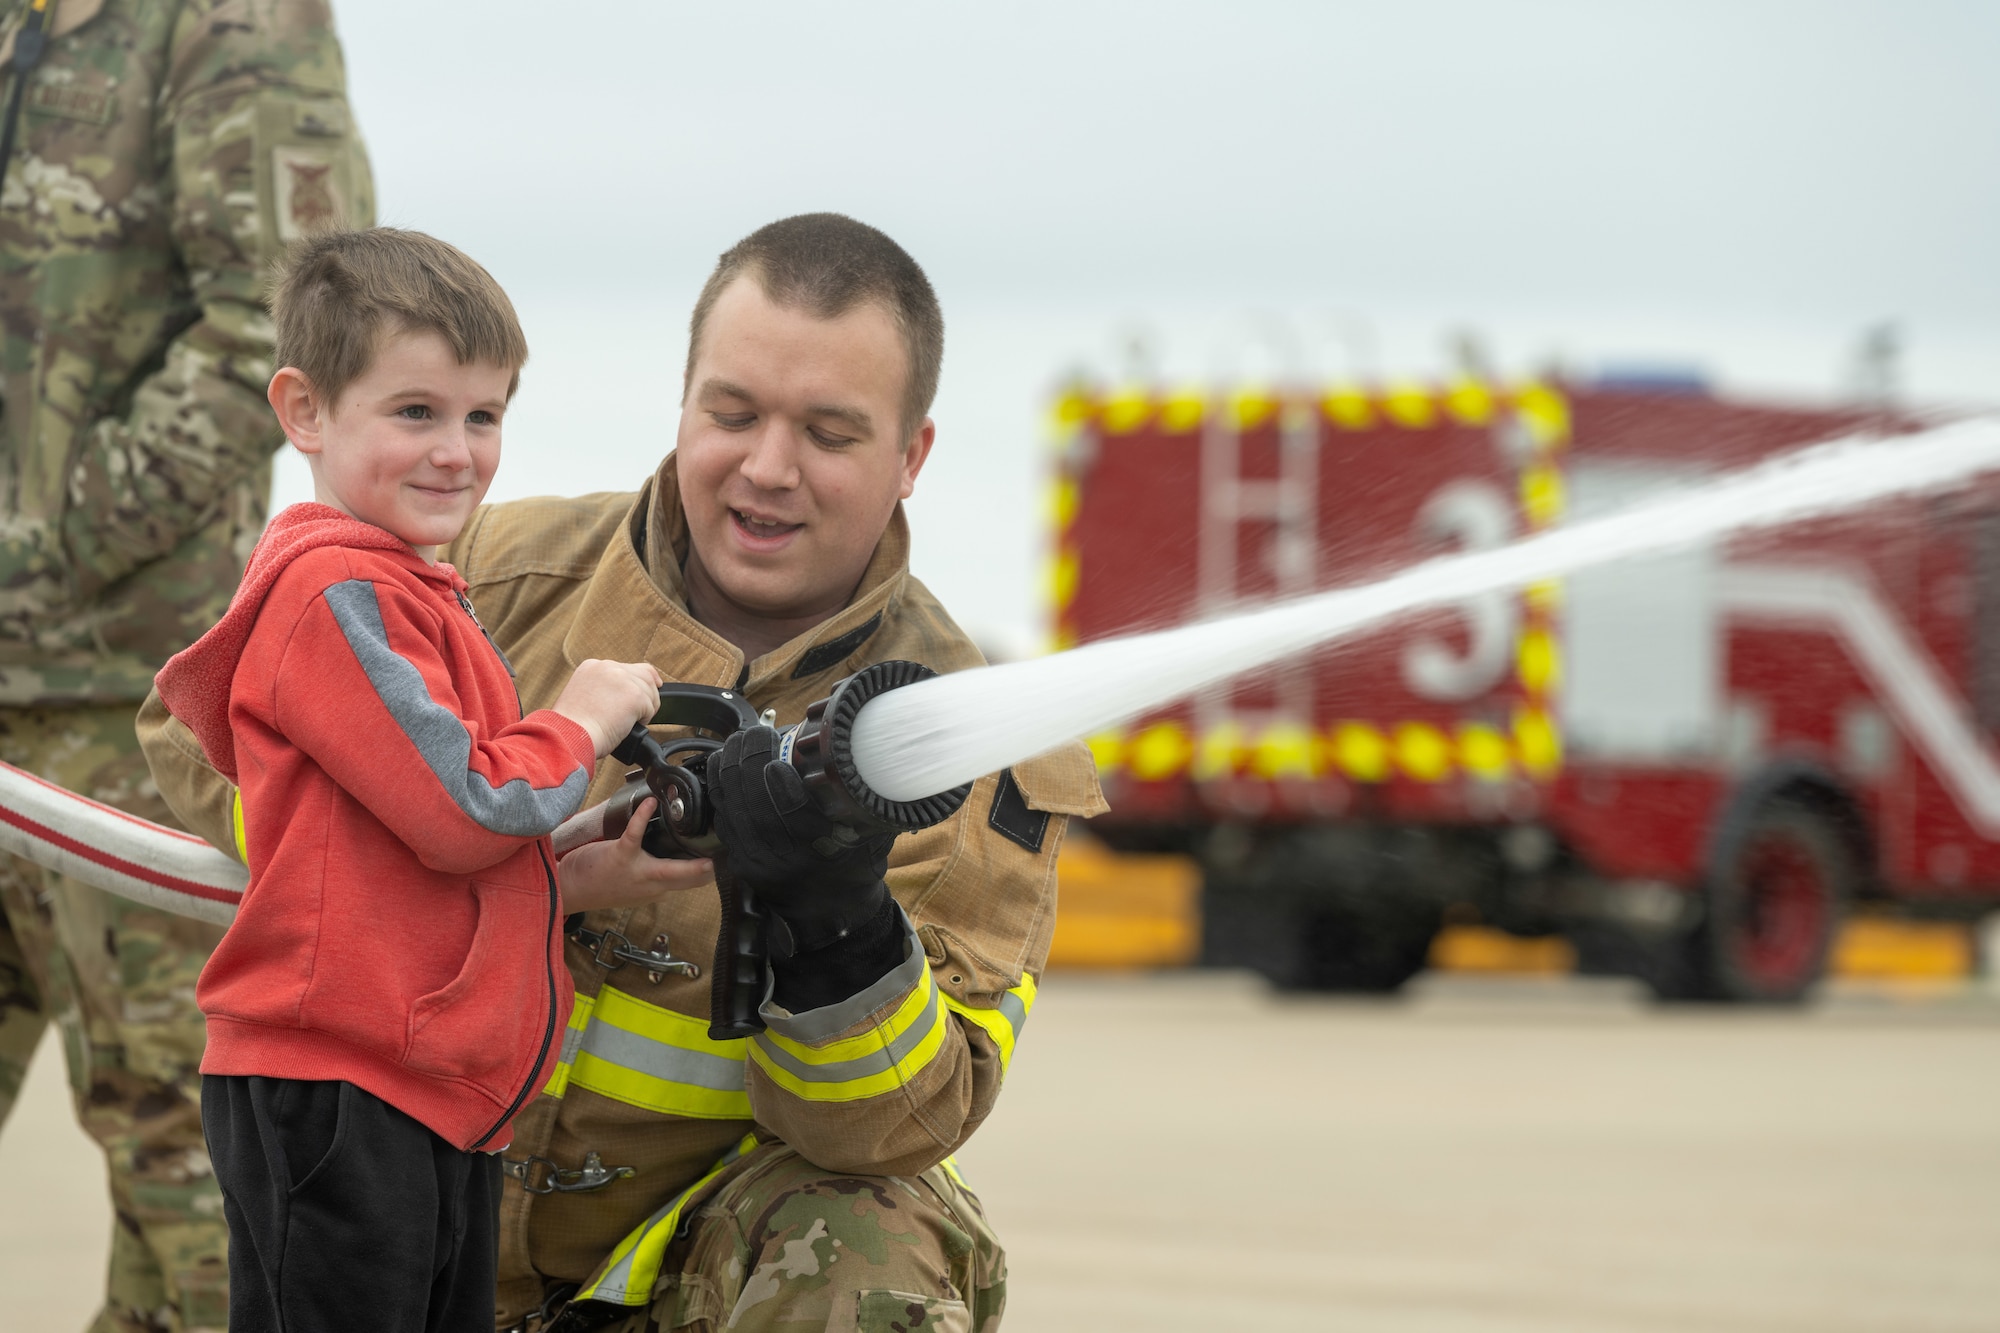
(741,972)
(820,749)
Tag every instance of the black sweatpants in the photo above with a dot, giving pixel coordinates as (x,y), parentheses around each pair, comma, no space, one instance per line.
(344,1213)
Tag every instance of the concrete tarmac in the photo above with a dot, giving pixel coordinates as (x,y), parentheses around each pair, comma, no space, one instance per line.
(1187,1152)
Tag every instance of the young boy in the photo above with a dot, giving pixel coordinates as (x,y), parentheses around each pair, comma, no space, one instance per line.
(393,989)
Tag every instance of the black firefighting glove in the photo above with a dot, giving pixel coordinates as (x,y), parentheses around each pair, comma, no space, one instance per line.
(834,930)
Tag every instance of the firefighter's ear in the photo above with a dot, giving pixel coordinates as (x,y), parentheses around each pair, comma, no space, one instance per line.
(300,411)
(914,454)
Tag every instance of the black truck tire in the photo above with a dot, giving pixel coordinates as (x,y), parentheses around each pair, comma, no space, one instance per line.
(1319,946)
(1367,952)
(1774,897)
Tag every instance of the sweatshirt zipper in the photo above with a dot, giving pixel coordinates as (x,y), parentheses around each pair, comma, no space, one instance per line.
(549,1024)
(549,872)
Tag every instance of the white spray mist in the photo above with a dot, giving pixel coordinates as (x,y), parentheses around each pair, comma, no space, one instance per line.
(929,737)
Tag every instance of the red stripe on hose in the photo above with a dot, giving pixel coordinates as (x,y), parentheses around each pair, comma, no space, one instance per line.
(158,830)
(130,870)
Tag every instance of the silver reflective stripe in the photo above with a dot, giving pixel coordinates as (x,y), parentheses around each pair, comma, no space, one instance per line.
(572,1043)
(875,1062)
(674,1064)
(515,809)
(1014,1011)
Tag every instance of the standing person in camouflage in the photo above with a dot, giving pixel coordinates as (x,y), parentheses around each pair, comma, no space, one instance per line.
(165,152)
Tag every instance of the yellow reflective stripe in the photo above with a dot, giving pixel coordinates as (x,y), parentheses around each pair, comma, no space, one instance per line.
(633,1050)
(855,1068)
(633,1269)
(236,825)
(1004,1023)
(950,1165)
(863,1045)
(579,1017)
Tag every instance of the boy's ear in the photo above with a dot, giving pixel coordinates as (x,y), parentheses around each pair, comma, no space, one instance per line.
(298,406)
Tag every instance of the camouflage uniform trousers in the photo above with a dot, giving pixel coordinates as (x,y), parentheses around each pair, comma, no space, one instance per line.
(118,979)
(781,1246)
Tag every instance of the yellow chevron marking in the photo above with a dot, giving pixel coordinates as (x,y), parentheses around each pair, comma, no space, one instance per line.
(1251,408)
(1422,751)
(1410,405)
(1284,750)
(1216,752)
(1545,597)
(1347,407)
(1071,409)
(1182,411)
(1540,662)
(1126,411)
(1547,413)
(1542,497)
(1063,499)
(1064,570)
(1537,741)
(1482,751)
(1160,751)
(1470,402)
(1361,752)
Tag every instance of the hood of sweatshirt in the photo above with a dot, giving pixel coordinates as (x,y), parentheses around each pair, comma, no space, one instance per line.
(195,682)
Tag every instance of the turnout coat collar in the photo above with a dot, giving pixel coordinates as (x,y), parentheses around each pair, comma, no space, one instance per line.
(635,608)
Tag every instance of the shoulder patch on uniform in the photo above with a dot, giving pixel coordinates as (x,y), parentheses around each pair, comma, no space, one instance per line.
(835,651)
(71,102)
(1012,819)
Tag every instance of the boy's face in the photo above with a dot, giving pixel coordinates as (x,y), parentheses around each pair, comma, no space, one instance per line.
(412,444)
(792,456)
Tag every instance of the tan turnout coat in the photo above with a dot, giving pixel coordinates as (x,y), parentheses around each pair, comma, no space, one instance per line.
(887,1083)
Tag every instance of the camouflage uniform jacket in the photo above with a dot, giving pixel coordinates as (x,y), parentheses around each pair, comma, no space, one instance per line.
(167,151)
(889,1082)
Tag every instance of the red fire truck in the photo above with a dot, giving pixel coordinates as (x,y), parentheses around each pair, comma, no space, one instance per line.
(1691,765)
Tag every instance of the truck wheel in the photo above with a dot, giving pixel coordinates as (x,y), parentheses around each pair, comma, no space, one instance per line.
(1773,900)
(1369,952)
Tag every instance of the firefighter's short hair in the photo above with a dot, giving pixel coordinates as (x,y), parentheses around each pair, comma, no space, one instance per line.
(827,264)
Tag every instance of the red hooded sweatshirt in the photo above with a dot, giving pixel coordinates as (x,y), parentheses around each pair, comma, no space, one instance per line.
(402,927)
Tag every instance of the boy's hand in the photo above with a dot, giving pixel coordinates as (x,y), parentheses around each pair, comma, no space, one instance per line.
(606,698)
(621,873)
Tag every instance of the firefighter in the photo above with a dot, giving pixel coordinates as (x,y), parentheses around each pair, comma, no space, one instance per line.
(158,154)
(800,1179)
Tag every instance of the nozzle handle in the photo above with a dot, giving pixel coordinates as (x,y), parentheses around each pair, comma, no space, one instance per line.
(742,959)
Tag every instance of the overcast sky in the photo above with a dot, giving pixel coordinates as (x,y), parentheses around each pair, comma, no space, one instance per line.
(1737,186)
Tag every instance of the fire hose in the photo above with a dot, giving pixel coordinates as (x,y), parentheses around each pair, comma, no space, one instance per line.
(120,853)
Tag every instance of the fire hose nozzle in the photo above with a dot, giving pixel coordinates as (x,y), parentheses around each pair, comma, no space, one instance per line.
(821,748)
(674,774)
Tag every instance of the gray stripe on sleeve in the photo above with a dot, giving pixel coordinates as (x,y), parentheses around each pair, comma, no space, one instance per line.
(515,809)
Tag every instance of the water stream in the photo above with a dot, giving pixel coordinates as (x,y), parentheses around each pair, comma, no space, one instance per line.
(931,736)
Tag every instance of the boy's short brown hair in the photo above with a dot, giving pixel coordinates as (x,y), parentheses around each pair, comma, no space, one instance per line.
(336,293)
(826,264)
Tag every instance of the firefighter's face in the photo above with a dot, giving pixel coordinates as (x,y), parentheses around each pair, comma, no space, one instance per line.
(792,456)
